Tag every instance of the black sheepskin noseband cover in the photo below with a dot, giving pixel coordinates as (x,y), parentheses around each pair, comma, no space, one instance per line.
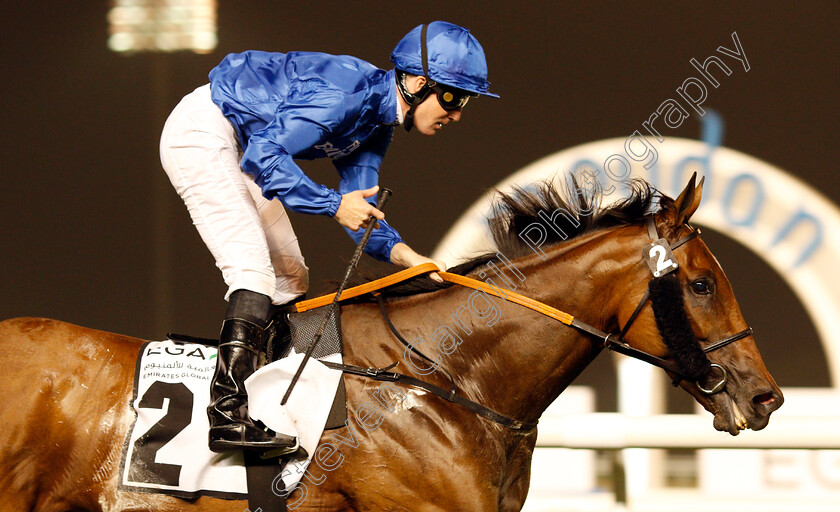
(672,322)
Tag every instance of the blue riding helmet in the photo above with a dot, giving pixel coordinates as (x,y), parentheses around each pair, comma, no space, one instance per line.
(450,58)
(453,57)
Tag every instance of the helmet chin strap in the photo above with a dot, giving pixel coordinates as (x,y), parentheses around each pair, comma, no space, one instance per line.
(415,99)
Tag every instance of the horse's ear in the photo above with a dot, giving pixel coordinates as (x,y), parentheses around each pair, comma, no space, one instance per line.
(689,199)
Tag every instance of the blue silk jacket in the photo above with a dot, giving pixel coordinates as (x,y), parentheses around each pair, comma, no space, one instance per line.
(304,105)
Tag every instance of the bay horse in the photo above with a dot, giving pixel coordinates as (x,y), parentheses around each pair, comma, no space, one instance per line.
(67,389)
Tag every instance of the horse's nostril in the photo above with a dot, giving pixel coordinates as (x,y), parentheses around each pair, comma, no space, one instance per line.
(764,399)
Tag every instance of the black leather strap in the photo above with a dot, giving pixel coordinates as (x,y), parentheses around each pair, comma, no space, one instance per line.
(627,350)
(424,54)
(632,318)
(384,312)
(623,348)
(726,341)
(186,338)
(687,238)
(260,476)
(653,233)
(382,374)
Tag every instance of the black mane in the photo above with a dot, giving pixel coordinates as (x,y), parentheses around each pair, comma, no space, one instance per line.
(575,211)
(580,209)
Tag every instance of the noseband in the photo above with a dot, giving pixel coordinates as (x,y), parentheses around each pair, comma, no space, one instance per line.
(690,360)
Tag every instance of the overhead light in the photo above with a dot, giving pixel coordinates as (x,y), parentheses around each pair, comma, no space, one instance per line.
(162,25)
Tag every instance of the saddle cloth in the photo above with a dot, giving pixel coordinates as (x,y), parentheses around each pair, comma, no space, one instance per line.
(166,450)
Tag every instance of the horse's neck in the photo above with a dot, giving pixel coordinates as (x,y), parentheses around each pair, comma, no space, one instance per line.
(520,363)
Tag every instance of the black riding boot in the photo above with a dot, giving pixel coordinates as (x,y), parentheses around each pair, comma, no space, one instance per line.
(242,336)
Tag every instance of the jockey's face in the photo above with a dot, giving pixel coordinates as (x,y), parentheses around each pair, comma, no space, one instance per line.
(430,116)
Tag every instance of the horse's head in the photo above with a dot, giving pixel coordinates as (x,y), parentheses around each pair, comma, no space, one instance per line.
(691,317)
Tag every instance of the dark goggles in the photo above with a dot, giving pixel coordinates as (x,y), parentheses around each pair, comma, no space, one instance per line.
(451,98)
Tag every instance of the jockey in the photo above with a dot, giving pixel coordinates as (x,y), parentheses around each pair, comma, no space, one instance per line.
(230,147)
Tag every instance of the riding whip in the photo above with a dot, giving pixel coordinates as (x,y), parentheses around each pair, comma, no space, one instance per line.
(384,194)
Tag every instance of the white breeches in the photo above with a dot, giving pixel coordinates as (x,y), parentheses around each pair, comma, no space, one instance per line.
(251,237)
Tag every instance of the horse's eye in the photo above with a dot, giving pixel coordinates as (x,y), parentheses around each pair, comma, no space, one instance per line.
(702,286)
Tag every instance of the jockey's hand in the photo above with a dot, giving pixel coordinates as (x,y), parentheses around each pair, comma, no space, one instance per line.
(402,254)
(354,212)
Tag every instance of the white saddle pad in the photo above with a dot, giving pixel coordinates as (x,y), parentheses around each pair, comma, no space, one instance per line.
(167,446)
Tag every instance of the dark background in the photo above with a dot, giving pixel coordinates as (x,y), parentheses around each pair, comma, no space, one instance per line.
(94,234)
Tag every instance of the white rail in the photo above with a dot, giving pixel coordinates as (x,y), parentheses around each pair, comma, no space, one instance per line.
(602,431)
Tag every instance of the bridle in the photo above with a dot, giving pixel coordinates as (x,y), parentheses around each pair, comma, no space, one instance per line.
(661,265)
(612,341)
(664,264)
